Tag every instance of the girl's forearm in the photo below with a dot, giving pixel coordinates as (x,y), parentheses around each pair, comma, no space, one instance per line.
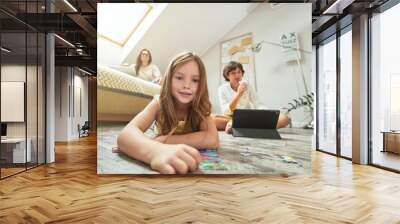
(135,144)
(198,140)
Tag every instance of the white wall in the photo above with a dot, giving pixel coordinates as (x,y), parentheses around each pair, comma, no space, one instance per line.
(189,26)
(108,53)
(33,126)
(314,89)
(62,82)
(12,73)
(67,79)
(82,83)
(278,82)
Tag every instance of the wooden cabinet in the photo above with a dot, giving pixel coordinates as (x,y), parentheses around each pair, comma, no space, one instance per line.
(391,142)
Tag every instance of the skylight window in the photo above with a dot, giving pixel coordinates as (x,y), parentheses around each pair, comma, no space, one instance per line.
(117,22)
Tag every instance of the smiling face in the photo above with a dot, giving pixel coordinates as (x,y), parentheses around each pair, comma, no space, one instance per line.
(235,76)
(185,82)
(184,91)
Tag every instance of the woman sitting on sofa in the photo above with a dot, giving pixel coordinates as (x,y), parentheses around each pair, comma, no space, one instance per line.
(145,69)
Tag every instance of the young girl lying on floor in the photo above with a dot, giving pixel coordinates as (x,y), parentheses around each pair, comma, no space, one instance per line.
(182,115)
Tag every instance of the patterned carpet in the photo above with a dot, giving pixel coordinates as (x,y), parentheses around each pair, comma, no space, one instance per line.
(288,156)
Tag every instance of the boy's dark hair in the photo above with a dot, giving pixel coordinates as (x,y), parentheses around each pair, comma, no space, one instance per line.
(232,65)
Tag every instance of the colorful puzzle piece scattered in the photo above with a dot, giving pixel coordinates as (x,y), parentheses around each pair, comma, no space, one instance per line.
(211,160)
(212,165)
(208,153)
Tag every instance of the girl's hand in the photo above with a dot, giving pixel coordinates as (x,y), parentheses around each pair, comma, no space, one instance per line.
(173,159)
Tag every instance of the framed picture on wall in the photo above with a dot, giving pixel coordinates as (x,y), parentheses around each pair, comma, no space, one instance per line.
(12,101)
(239,49)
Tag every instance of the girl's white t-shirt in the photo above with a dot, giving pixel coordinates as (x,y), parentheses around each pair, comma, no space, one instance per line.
(226,94)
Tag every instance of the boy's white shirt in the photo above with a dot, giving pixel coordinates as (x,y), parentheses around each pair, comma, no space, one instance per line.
(247,101)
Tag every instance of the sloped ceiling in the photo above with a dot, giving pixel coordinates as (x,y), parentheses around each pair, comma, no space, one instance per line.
(191,26)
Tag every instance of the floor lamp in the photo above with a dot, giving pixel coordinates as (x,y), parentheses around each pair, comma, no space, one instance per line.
(305,100)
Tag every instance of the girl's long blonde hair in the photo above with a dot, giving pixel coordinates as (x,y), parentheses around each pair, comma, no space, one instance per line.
(199,108)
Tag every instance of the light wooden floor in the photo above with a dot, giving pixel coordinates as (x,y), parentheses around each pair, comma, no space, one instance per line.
(387,159)
(9,171)
(70,191)
(5,172)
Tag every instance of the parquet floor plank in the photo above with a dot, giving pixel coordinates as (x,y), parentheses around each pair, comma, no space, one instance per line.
(70,191)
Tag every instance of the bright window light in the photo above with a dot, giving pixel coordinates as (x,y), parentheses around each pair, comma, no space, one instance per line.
(64,40)
(70,5)
(395,93)
(84,71)
(117,22)
(5,50)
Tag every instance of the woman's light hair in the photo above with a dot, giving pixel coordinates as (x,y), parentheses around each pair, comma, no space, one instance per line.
(199,108)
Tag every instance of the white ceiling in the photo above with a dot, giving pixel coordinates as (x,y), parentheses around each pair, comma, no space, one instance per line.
(191,26)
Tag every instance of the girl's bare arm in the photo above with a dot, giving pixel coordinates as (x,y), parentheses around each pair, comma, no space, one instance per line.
(132,140)
(168,159)
(206,138)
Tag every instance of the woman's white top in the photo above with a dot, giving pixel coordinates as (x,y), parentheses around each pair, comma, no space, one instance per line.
(226,94)
(150,72)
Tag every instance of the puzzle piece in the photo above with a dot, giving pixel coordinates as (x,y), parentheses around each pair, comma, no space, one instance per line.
(208,153)
(211,160)
(288,159)
(212,165)
(206,165)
